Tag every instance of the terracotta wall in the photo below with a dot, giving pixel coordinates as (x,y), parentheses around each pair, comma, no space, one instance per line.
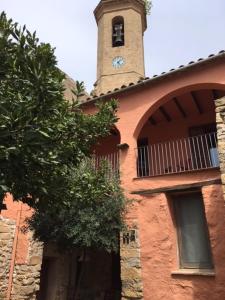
(154,219)
(159,255)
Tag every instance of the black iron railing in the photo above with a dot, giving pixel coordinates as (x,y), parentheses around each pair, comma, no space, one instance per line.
(176,156)
(111,160)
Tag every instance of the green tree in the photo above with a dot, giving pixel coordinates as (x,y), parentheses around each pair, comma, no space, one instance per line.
(45,143)
(88,214)
(39,131)
(148,6)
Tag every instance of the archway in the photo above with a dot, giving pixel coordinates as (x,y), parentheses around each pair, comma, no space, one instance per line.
(178,133)
(214,87)
(107,149)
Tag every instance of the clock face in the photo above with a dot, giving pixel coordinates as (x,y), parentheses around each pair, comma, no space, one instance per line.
(118,62)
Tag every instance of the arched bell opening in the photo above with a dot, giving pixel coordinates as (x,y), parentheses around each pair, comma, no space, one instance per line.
(180,135)
(118,37)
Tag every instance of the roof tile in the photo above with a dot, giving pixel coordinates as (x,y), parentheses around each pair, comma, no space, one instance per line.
(147,79)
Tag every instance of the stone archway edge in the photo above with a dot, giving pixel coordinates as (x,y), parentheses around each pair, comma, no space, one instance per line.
(220,122)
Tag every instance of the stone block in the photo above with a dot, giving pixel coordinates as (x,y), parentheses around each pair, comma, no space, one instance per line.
(5,236)
(130,273)
(129,253)
(26,290)
(4,229)
(35,260)
(220,102)
(28,281)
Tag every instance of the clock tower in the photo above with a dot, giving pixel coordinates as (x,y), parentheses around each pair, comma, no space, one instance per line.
(121,26)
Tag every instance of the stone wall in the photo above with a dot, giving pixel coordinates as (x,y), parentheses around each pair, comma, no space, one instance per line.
(26,277)
(220,121)
(132,287)
(7,230)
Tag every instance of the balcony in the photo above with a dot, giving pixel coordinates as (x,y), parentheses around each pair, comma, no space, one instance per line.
(178,156)
(112,161)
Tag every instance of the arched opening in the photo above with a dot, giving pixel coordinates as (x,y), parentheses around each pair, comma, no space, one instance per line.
(118,38)
(180,135)
(107,149)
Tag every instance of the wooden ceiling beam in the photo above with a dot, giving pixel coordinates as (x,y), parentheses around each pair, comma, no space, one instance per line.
(197,105)
(165,114)
(179,107)
(152,121)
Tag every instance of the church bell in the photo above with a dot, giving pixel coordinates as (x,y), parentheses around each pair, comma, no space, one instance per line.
(118,35)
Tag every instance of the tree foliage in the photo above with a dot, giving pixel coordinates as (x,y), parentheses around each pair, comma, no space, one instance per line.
(148,6)
(43,138)
(89,214)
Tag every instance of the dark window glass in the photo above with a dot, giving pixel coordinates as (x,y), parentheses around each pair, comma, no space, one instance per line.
(194,245)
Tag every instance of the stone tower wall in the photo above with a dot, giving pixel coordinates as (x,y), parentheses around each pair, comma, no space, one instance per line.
(108,77)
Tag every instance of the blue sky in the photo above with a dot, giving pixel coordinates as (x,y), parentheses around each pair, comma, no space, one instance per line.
(179,31)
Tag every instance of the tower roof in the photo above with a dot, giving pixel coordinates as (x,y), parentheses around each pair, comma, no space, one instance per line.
(105,6)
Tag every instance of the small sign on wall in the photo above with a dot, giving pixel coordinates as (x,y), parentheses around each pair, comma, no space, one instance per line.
(129,236)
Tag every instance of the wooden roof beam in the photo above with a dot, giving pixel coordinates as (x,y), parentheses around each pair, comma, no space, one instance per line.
(180,108)
(152,121)
(197,105)
(165,114)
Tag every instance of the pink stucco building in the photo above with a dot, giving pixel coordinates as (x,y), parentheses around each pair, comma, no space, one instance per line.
(169,148)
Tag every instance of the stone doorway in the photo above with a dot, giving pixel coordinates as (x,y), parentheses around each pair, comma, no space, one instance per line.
(95,276)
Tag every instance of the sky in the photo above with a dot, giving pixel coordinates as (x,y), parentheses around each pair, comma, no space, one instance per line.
(179,31)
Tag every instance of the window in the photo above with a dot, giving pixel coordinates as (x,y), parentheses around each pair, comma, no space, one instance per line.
(193,238)
(118,32)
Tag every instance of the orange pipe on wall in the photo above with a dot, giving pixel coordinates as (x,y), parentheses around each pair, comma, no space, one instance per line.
(13,257)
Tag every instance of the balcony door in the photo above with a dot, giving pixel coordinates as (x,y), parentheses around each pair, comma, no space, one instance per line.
(204,146)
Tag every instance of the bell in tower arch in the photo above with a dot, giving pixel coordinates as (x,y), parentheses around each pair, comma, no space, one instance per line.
(118,32)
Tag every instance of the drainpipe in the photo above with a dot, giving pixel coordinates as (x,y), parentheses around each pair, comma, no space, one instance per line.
(13,257)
